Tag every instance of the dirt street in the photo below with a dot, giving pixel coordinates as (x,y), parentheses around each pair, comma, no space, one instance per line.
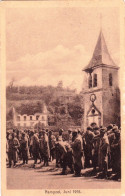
(26,177)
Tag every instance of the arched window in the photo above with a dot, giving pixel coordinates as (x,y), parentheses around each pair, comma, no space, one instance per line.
(37,117)
(90,81)
(110,79)
(24,118)
(95,80)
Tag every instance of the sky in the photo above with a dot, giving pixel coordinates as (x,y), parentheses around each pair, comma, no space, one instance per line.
(46,45)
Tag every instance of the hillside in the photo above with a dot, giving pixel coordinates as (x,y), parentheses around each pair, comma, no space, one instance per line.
(63,105)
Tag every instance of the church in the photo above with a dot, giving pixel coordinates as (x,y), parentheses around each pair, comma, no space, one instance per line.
(101,92)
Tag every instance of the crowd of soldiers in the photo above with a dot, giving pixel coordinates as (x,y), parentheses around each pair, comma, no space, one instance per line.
(97,147)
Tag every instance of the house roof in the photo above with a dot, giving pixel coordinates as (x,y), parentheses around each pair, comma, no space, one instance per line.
(101,55)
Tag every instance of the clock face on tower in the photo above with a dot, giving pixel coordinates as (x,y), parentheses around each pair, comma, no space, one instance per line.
(92,97)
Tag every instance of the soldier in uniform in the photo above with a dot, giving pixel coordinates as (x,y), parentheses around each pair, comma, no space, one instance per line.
(65,156)
(103,151)
(16,146)
(111,136)
(59,138)
(52,140)
(24,148)
(13,145)
(70,136)
(10,149)
(77,147)
(116,154)
(95,147)
(46,148)
(88,146)
(35,146)
(41,146)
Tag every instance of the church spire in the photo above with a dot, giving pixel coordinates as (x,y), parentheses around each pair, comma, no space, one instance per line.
(101,55)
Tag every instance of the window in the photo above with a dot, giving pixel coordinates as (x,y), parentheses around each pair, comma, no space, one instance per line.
(37,117)
(90,81)
(42,117)
(18,118)
(110,79)
(95,80)
(24,118)
(31,118)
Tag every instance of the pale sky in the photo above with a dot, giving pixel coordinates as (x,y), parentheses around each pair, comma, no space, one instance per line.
(46,45)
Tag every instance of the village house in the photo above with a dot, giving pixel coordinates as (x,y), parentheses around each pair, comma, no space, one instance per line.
(31,120)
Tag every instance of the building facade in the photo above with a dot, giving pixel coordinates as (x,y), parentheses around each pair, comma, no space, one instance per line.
(30,121)
(101,89)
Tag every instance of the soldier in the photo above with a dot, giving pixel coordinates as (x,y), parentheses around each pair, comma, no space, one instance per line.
(70,136)
(111,136)
(77,153)
(16,146)
(46,148)
(95,147)
(59,138)
(24,148)
(20,138)
(52,140)
(89,135)
(13,145)
(65,156)
(10,149)
(41,146)
(35,146)
(103,151)
(116,154)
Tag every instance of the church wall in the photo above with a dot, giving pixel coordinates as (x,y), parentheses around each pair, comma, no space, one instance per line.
(110,107)
(111,101)
(88,103)
(105,77)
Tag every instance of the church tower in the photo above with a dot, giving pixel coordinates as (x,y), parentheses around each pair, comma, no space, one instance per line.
(100,91)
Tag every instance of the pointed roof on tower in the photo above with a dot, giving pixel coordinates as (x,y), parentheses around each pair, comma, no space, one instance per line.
(101,55)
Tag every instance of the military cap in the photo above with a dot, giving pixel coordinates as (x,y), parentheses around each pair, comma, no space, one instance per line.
(110,126)
(115,128)
(89,128)
(32,131)
(75,131)
(96,128)
(61,130)
(23,133)
(103,130)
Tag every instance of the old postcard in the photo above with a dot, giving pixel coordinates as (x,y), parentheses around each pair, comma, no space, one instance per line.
(62,68)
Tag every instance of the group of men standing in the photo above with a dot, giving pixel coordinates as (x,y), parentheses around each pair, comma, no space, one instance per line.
(97,147)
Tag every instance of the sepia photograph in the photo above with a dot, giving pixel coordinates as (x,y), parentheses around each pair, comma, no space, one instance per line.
(63,98)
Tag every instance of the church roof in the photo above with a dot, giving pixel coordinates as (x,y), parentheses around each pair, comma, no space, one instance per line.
(101,55)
